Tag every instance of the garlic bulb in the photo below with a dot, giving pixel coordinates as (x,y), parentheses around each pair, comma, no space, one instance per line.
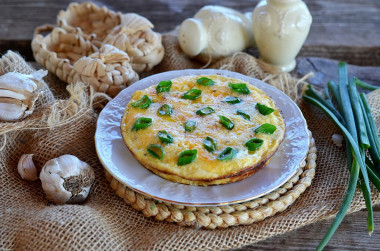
(66,179)
(17,94)
(26,168)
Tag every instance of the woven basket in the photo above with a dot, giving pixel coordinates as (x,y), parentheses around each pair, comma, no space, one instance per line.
(244,213)
(98,46)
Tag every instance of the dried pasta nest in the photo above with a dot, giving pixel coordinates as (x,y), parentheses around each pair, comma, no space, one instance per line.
(98,46)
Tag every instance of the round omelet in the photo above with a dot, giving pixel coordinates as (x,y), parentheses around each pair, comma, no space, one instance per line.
(202,130)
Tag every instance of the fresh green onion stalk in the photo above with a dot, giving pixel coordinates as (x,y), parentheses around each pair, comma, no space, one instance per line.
(351,113)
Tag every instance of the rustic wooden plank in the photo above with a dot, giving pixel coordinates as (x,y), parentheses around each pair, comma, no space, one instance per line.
(351,235)
(355,55)
(335,23)
(368,56)
(345,31)
(22,46)
(164,14)
(326,70)
(344,23)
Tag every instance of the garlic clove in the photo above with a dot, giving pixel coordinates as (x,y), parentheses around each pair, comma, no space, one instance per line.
(16,95)
(66,179)
(21,82)
(30,103)
(38,75)
(11,109)
(26,168)
(17,82)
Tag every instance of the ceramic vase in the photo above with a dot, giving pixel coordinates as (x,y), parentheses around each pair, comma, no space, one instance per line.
(217,31)
(280,28)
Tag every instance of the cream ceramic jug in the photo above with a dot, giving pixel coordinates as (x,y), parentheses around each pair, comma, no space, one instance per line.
(217,31)
(280,28)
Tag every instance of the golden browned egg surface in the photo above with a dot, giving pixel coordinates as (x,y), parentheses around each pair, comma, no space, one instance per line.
(207,167)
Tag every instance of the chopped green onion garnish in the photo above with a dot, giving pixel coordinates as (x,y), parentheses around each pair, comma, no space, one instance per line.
(141,123)
(156,151)
(226,122)
(164,86)
(209,144)
(266,128)
(227,154)
(239,88)
(144,102)
(186,157)
(263,109)
(165,110)
(192,94)
(165,137)
(205,111)
(254,144)
(190,125)
(232,100)
(244,115)
(205,81)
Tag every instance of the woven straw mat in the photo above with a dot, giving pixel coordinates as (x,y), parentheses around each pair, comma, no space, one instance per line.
(105,221)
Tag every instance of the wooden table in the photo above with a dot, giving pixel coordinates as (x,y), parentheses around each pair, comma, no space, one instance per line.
(346,31)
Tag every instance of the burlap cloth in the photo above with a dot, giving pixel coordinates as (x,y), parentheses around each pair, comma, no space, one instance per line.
(105,221)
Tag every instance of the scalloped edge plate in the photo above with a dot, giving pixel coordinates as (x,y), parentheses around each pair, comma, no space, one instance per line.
(120,163)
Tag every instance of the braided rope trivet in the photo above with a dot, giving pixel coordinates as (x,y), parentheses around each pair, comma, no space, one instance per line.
(224,216)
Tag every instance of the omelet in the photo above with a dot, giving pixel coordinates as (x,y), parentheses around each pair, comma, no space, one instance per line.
(202,129)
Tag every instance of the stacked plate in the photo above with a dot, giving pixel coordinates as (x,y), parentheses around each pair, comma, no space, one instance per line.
(121,164)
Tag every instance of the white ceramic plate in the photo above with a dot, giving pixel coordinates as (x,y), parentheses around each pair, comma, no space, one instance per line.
(117,159)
